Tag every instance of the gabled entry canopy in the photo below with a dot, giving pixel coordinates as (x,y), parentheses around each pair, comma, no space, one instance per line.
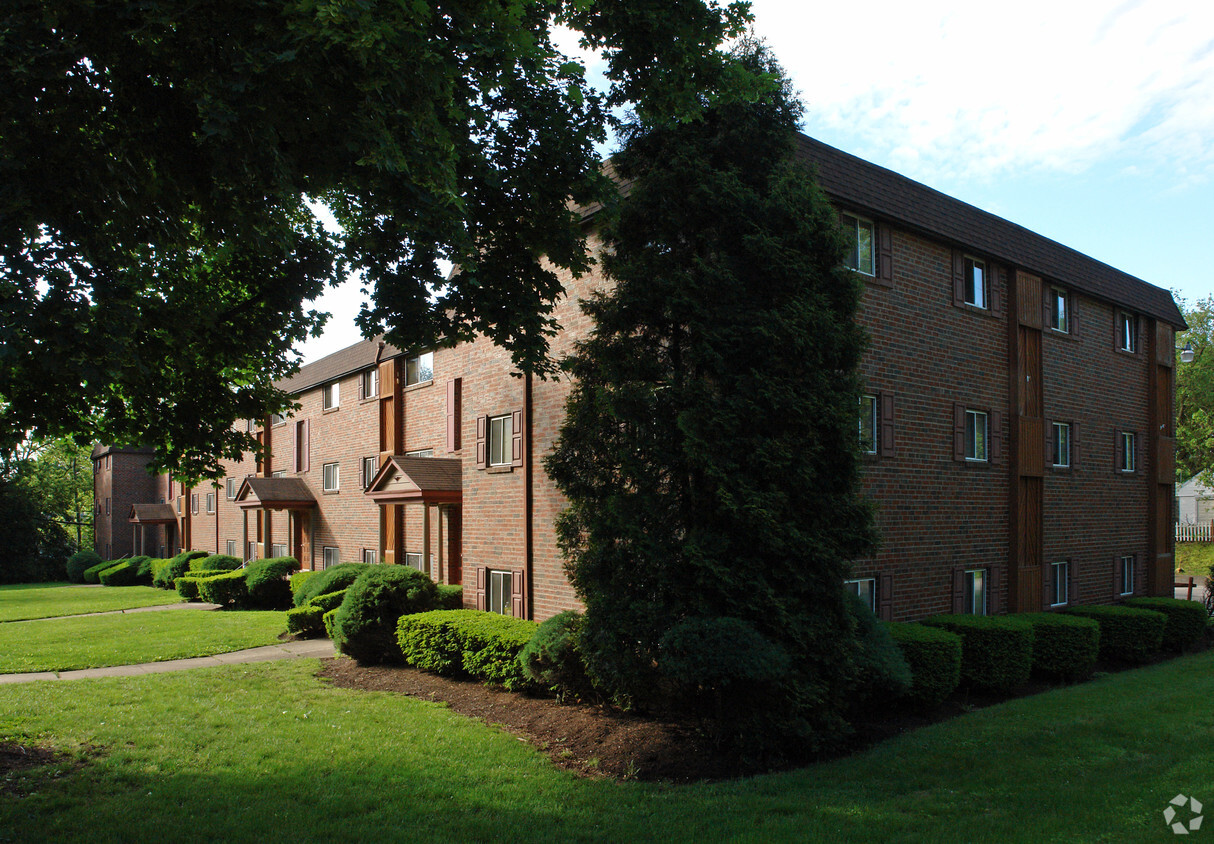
(257,493)
(152,514)
(421,480)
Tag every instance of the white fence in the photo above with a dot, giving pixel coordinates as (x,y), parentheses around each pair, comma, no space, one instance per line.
(1195,533)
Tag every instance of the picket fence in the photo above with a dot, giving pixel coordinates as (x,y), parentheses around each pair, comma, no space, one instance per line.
(1195,533)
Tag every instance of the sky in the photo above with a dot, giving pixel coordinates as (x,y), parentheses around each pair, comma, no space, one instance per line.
(1091,123)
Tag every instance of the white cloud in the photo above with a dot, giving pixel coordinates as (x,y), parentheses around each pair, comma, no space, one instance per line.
(975,90)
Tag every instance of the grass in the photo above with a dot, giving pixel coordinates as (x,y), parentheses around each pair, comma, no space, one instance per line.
(45,600)
(1194,558)
(268,752)
(61,644)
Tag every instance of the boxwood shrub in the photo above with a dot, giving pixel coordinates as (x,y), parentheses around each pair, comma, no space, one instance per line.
(331,579)
(330,620)
(934,657)
(298,580)
(1127,634)
(480,644)
(306,621)
(125,573)
(365,624)
(329,600)
(225,588)
(177,566)
(552,658)
(1064,646)
(78,562)
(450,597)
(267,582)
(1186,624)
(92,574)
(144,575)
(996,650)
(215,563)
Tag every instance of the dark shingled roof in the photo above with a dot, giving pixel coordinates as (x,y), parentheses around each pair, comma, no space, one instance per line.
(271,492)
(152,514)
(337,365)
(865,187)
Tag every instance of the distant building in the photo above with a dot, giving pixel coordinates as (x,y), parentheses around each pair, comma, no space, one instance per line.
(1194,502)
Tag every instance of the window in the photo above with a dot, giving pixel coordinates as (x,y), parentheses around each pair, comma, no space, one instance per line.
(370,556)
(329,557)
(420,369)
(421,452)
(330,477)
(231,489)
(277,419)
(1127,332)
(859,233)
(278,549)
(1127,574)
(107,506)
(499,597)
(250,551)
(1059,316)
(368,383)
(302,447)
(109,461)
(194,503)
(230,548)
(96,467)
(501,432)
(866,588)
(1128,451)
(868,425)
(974,595)
(975,282)
(976,435)
(331,396)
(1060,584)
(370,465)
(1062,445)
(414,561)
(210,502)
(281,473)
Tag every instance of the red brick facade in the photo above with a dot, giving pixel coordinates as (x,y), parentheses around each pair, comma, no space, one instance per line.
(1010,515)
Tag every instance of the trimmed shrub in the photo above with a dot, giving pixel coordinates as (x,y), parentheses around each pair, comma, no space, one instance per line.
(176,567)
(92,574)
(158,566)
(1064,646)
(125,573)
(78,562)
(1127,634)
(187,584)
(365,624)
(483,645)
(552,657)
(330,620)
(996,650)
(215,563)
(224,588)
(934,657)
(306,621)
(333,579)
(328,601)
(881,672)
(144,575)
(450,597)
(298,580)
(1186,620)
(267,582)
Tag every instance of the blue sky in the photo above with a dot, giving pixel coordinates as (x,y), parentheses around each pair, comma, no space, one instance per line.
(1091,123)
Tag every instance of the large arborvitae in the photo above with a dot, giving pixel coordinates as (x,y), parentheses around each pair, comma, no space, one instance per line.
(710,450)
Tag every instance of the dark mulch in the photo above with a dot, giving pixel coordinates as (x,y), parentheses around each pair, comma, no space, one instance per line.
(16,759)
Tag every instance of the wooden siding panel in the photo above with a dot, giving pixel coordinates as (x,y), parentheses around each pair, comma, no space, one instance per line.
(1032,447)
(1028,300)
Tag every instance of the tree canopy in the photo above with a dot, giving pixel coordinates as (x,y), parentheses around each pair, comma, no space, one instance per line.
(1195,393)
(157,158)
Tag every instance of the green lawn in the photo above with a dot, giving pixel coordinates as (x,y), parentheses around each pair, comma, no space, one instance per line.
(44,600)
(268,752)
(1194,558)
(60,644)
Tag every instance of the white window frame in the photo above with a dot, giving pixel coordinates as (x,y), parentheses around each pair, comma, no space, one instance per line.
(1128,565)
(499,586)
(329,556)
(277,419)
(370,465)
(1062,445)
(418,366)
(1060,583)
(977,601)
(229,547)
(330,396)
(868,414)
(370,382)
(230,491)
(865,588)
(1127,332)
(1129,452)
(854,227)
(278,549)
(414,561)
(976,286)
(977,450)
(210,503)
(1060,311)
(250,551)
(421,452)
(330,474)
(501,435)
(281,473)
(370,556)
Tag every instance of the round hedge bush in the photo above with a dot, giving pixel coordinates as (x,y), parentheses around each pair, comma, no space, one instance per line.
(996,650)
(266,580)
(364,626)
(1186,625)
(328,580)
(78,562)
(552,657)
(1064,646)
(1127,634)
(215,563)
(934,657)
(176,567)
(881,673)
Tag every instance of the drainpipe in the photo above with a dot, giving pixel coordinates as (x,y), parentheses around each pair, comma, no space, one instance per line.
(528,503)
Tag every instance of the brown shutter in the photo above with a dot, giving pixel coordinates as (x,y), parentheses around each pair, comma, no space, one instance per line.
(516,438)
(994,289)
(1047,425)
(885,255)
(307,446)
(1116,328)
(959,590)
(887,442)
(1047,312)
(362,387)
(885,598)
(996,438)
(1074,444)
(453,414)
(992,583)
(516,594)
(958,432)
(1072,314)
(1047,584)
(482,442)
(1118,588)
(958,278)
(482,599)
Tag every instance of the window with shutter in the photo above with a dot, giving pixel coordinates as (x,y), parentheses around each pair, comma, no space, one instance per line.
(865,588)
(868,424)
(860,236)
(886,446)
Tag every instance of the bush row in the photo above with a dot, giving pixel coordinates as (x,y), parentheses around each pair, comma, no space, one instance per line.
(261,585)
(478,644)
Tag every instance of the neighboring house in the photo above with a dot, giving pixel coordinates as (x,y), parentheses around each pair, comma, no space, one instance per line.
(1016,424)
(1194,502)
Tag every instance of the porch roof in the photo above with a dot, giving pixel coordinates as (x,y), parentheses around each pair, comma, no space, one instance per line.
(152,514)
(257,493)
(421,480)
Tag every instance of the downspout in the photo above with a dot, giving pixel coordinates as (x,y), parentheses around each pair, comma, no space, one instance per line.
(528,502)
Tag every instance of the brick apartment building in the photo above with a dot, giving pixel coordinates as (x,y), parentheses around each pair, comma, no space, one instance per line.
(1017,430)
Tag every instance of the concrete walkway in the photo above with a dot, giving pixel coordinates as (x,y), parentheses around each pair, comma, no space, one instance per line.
(192,605)
(287,650)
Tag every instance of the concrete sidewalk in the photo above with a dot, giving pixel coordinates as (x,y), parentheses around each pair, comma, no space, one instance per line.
(319,648)
(191,605)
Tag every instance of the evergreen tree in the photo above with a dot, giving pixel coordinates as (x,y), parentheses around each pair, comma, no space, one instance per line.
(710,451)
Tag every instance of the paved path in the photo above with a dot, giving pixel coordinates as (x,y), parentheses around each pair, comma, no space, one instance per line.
(268,653)
(192,605)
